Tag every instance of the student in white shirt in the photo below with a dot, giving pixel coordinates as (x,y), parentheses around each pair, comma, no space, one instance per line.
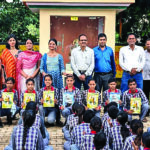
(131,60)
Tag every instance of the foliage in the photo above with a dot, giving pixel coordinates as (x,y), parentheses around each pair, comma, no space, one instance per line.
(16,18)
(136,19)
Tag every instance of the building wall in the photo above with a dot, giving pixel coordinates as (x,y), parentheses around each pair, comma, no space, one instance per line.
(109,27)
(87,1)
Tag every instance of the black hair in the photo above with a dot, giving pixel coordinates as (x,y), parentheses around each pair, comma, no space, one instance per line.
(30,40)
(9,37)
(137,128)
(131,34)
(79,112)
(48,75)
(70,76)
(122,118)
(28,120)
(81,35)
(54,40)
(96,124)
(31,106)
(102,35)
(131,80)
(10,79)
(88,115)
(112,112)
(112,80)
(75,106)
(147,40)
(100,140)
(110,104)
(91,80)
(146,139)
(28,80)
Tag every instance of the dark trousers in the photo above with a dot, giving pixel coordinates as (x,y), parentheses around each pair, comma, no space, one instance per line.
(78,82)
(102,81)
(146,87)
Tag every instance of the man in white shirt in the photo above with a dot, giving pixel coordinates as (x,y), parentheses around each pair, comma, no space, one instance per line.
(82,63)
(131,60)
(146,70)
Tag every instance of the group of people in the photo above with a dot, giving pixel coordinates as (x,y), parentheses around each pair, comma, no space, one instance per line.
(83,128)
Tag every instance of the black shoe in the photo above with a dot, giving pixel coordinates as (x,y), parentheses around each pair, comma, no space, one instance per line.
(59,123)
(1,125)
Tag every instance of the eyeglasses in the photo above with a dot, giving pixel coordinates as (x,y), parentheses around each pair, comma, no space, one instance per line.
(83,40)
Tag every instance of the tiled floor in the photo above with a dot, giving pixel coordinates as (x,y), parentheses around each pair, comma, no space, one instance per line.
(56,134)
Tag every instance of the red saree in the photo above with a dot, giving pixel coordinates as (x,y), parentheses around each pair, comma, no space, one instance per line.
(9,61)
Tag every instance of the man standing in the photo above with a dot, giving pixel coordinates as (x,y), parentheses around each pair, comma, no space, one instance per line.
(131,60)
(82,63)
(146,70)
(105,67)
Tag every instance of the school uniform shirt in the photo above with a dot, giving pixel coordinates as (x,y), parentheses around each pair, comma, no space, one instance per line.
(127,95)
(87,141)
(128,143)
(15,94)
(36,96)
(85,94)
(34,138)
(104,118)
(107,130)
(75,91)
(106,95)
(72,122)
(78,131)
(56,93)
(116,136)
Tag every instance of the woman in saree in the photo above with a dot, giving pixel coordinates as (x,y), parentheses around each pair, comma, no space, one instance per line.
(9,59)
(28,66)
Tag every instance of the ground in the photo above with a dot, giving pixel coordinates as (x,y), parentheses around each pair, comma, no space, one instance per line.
(56,135)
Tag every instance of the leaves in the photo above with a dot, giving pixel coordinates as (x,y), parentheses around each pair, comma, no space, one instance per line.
(17,19)
(135,19)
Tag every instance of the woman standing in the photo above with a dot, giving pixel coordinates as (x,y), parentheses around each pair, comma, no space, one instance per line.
(9,59)
(28,66)
(52,63)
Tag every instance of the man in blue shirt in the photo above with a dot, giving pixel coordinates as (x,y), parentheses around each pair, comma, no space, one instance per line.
(105,67)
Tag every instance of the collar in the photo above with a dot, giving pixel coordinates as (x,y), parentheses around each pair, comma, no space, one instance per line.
(90,91)
(136,91)
(146,148)
(93,132)
(5,90)
(82,122)
(52,88)
(104,49)
(73,88)
(134,47)
(26,91)
(116,91)
(81,49)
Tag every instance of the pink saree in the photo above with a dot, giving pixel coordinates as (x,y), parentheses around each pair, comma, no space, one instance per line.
(27,60)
